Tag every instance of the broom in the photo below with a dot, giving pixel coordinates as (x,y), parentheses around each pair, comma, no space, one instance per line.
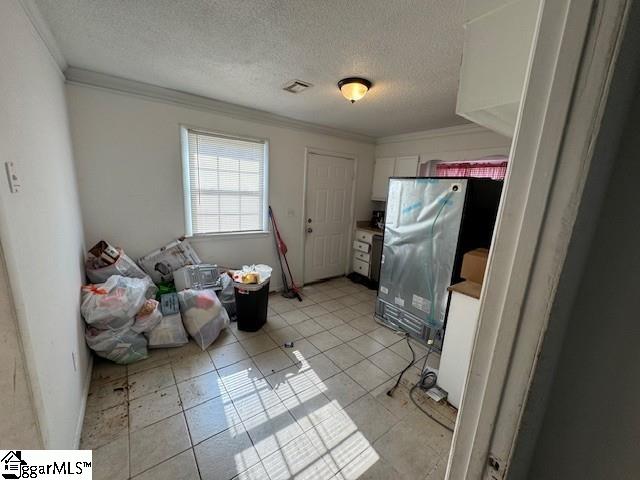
(281,247)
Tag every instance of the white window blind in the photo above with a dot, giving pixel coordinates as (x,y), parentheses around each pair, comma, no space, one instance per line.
(225,183)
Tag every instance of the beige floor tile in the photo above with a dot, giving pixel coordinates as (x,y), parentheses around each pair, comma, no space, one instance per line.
(157,357)
(329,321)
(180,467)
(324,341)
(345,332)
(365,324)
(367,346)
(107,394)
(152,408)
(334,293)
(331,305)
(349,300)
(371,418)
(158,442)
(239,375)
(369,465)
(227,355)
(272,361)
(406,449)
(440,470)
(289,382)
(258,344)
(226,454)
(191,366)
(111,461)
(257,472)
(286,334)
(187,350)
(301,350)
(402,349)
(309,327)
(211,417)
(399,404)
(225,338)
(341,388)
(367,375)
(149,381)
(346,314)
(200,389)
(294,317)
(274,323)
(385,336)
(242,334)
(299,460)
(344,356)
(319,368)
(272,429)
(282,307)
(389,361)
(310,407)
(340,446)
(102,427)
(106,371)
(364,308)
(314,310)
(253,399)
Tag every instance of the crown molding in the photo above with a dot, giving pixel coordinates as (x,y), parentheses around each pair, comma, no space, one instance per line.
(465,129)
(80,76)
(44,32)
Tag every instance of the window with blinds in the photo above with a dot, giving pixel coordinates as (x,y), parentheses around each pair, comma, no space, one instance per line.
(224,183)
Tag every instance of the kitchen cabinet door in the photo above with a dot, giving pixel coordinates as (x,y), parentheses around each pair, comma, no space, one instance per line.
(383,169)
(406,166)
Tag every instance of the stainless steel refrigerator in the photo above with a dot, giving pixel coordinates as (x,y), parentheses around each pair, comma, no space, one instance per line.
(430,223)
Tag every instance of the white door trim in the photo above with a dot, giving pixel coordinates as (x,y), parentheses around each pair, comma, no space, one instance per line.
(562,106)
(329,153)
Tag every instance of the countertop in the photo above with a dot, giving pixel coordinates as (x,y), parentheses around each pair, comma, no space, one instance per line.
(366,226)
(470,289)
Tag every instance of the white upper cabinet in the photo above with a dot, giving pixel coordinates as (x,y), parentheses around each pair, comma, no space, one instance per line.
(387,167)
(497,46)
(406,166)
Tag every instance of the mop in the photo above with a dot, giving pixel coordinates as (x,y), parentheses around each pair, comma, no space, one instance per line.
(281,247)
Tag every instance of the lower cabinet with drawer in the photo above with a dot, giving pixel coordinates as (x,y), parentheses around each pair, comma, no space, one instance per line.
(366,259)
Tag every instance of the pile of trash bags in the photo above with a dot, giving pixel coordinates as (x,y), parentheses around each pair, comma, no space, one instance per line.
(126,313)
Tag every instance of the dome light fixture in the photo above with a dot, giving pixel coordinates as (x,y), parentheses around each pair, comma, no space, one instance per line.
(354,88)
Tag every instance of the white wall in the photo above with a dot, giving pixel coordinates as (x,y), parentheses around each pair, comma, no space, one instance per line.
(127,151)
(466,142)
(41,227)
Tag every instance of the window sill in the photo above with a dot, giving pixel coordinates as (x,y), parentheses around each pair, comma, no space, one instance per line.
(226,235)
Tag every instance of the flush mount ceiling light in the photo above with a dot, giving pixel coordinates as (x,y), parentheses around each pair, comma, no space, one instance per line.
(354,88)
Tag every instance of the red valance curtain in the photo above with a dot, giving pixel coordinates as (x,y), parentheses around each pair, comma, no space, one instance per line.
(495,170)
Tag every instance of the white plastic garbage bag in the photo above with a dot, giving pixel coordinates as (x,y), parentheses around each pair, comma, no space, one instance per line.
(97,273)
(168,333)
(121,345)
(148,317)
(113,304)
(202,315)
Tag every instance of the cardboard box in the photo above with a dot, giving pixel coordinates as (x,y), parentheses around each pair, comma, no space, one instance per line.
(474,264)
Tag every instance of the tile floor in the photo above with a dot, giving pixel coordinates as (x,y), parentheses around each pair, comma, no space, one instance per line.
(248,408)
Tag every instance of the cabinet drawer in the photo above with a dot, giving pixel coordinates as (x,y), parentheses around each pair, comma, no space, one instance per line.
(361,267)
(365,257)
(364,236)
(363,247)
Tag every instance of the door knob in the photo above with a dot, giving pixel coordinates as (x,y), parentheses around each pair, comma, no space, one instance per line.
(309,229)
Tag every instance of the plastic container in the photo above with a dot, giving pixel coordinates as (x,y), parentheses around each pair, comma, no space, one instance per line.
(252,301)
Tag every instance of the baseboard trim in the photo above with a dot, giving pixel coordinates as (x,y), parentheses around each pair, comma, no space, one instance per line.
(83,406)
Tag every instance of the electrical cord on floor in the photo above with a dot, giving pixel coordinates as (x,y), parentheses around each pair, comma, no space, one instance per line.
(428,379)
(413,360)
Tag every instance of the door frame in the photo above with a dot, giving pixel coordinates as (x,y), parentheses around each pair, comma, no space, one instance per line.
(329,153)
(551,158)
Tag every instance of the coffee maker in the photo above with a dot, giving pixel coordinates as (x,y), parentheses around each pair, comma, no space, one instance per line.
(377,219)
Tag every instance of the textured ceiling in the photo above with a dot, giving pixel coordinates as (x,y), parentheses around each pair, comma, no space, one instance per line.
(244,51)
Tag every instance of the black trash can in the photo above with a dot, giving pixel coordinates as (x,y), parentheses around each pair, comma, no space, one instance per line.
(252,301)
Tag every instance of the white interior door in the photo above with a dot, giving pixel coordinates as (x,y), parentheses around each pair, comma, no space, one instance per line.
(328,216)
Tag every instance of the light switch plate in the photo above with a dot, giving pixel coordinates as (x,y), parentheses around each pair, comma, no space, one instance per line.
(12,177)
